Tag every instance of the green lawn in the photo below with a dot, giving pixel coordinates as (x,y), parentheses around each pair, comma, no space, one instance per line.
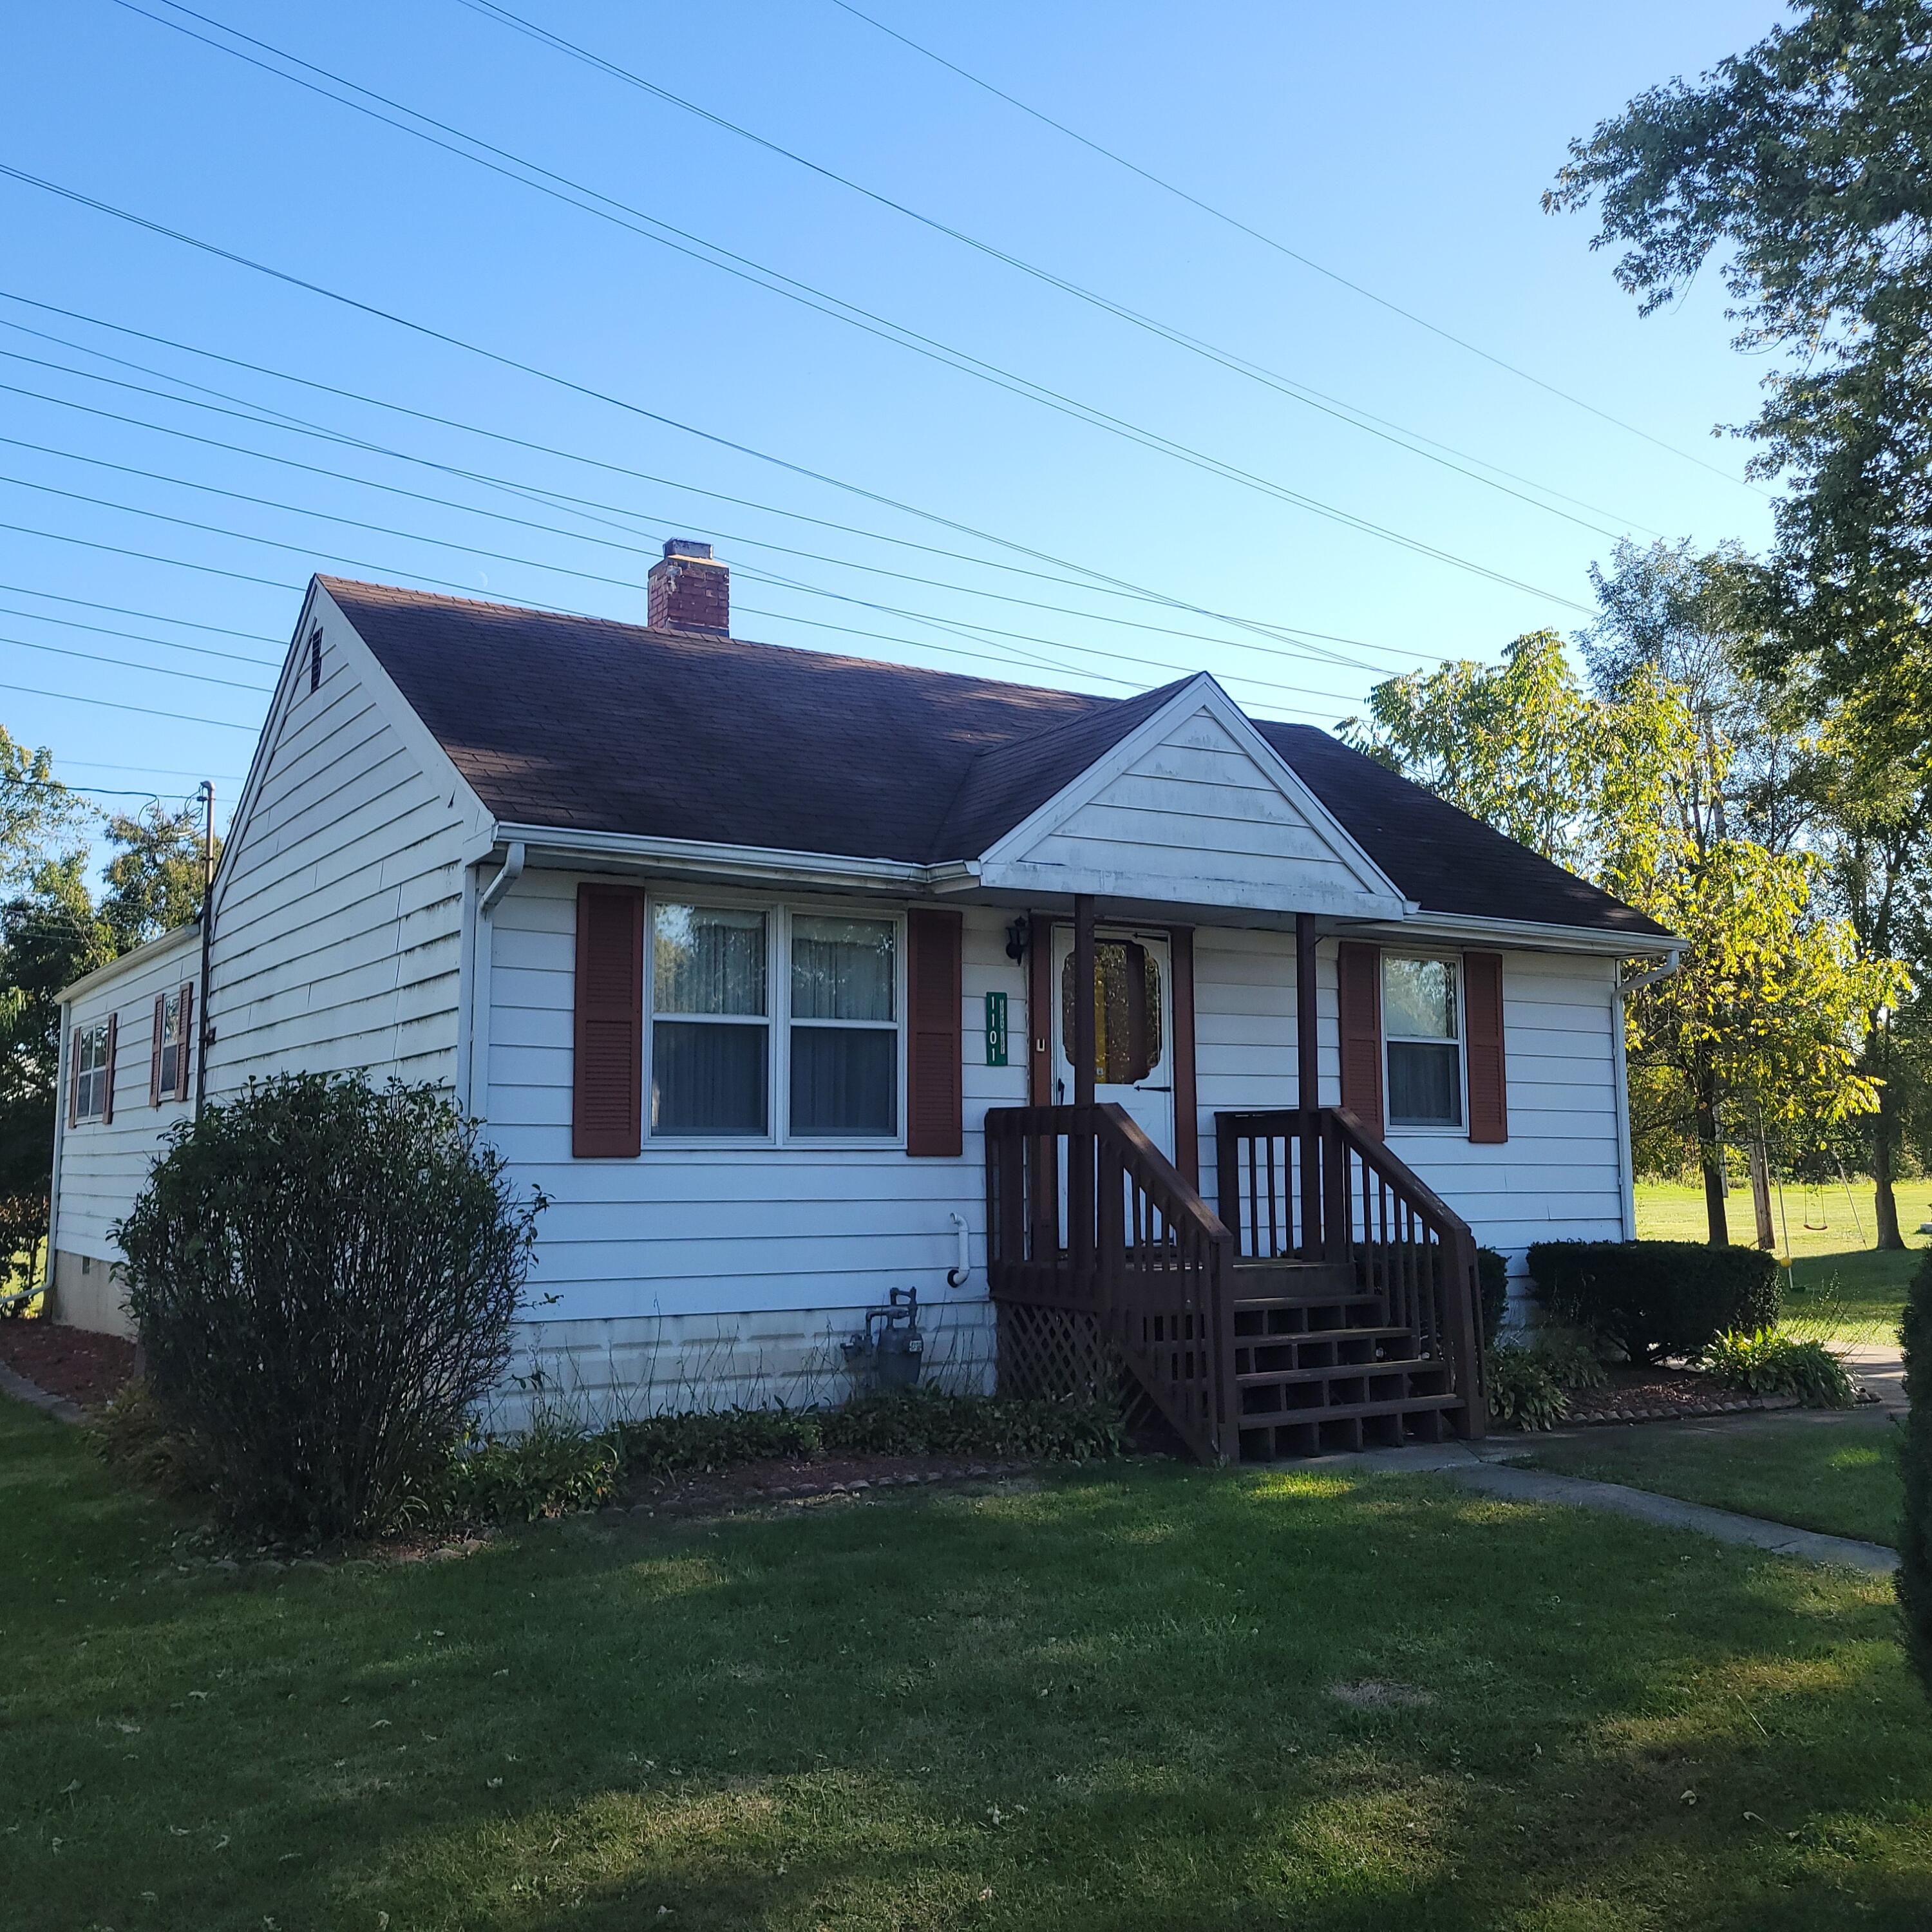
(1106,1701)
(1837,1474)
(1835,1272)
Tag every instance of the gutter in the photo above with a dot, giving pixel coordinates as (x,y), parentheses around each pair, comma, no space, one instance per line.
(508,874)
(752,863)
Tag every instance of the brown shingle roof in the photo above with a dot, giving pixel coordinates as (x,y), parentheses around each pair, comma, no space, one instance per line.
(586,724)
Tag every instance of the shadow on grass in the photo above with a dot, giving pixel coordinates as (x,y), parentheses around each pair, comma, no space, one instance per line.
(1104,1702)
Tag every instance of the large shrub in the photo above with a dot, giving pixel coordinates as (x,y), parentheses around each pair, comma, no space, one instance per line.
(324,1276)
(1656,1299)
(1915,1535)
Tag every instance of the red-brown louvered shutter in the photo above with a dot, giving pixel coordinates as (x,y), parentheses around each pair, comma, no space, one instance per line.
(606,1115)
(1358,983)
(184,1052)
(1482,1004)
(113,1041)
(154,1054)
(935,1051)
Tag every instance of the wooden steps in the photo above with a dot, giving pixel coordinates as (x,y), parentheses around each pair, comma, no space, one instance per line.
(1318,1367)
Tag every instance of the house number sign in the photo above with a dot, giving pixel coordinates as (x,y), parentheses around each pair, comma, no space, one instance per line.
(996,1029)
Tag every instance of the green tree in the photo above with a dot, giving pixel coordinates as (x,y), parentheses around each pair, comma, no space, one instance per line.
(1628,786)
(155,880)
(49,936)
(38,813)
(1805,164)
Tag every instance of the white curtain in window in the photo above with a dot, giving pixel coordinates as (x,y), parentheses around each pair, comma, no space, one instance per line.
(841,969)
(708,960)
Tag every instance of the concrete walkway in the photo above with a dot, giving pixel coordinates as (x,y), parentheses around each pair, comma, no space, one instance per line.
(1543,1486)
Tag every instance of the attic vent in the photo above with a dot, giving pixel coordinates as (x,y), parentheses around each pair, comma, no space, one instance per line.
(315,658)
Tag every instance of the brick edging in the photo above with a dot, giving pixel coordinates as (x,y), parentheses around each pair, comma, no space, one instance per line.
(1737,1405)
(13,1383)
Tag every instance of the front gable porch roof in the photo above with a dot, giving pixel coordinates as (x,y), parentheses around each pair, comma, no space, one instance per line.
(584,725)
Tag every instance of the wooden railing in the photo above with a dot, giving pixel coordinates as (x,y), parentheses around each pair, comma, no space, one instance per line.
(1319,1186)
(1086,1215)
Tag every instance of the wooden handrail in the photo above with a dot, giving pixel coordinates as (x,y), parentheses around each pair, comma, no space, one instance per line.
(1085,1214)
(1321,1185)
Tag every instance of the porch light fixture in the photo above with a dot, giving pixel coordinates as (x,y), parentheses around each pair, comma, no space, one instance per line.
(1017,935)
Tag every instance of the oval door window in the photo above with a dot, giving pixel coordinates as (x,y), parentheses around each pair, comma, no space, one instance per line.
(1127,1043)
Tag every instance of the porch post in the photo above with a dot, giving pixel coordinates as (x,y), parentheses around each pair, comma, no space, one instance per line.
(1080,1195)
(1083,999)
(1308,1084)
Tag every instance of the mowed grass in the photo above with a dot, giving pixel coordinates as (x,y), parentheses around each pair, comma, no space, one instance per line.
(1105,1701)
(1836,1274)
(1836,1473)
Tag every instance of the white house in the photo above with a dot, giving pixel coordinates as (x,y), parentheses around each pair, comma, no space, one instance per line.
(766,965)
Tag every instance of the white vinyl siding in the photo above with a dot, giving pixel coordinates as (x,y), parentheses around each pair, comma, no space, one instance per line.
(1194,817)
(103,1163)
(1557,1176)
(338,921)
(690,1230)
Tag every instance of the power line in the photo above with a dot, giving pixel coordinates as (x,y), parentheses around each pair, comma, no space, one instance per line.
(631,549)
(134,637)
(1097,583)
(135,664)
(872,324)
(1279,246)
(498,557)
(144,710)
(120,610)
(762,275)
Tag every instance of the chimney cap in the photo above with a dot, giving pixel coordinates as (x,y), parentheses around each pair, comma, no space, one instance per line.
(686,547)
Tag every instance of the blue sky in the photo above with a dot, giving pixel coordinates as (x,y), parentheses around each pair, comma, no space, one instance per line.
(1404,147)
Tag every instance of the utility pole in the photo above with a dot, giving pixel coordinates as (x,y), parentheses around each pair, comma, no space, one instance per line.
(204,1030)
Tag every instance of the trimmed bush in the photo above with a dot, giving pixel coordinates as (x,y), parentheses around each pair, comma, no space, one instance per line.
(1523,1393)
(1493,1286)
(1769,1363)
(1656,1300)
(1914,1582)
(553,1469)
(324,1276)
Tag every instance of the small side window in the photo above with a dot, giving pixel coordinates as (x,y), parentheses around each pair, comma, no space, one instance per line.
(91,1071)
(1422,1024)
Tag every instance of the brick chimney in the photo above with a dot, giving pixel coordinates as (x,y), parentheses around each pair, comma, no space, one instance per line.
(689,591)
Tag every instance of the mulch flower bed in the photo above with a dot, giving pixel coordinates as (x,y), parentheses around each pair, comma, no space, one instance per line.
(1664,1395)
(87,1369)
(750,1484)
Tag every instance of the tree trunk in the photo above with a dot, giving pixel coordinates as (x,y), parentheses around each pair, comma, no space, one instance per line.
(1885,1135)
(1760,1180)
(1711,1154)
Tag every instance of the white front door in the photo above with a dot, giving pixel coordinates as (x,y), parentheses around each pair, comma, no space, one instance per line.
(1133,1026)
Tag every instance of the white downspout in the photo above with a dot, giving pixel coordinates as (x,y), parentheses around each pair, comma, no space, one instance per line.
(957,1277)
(1626,1162)
(487,900)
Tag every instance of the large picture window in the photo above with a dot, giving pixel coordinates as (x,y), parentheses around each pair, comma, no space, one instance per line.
(92,1070)
(770,1025)
(710,1027)
(1423,1027)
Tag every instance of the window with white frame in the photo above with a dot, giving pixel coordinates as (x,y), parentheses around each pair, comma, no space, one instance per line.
(843,1024)
(710,1025)
(748,1003)
(1422,1032)
(91,1071)
(171,1039)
